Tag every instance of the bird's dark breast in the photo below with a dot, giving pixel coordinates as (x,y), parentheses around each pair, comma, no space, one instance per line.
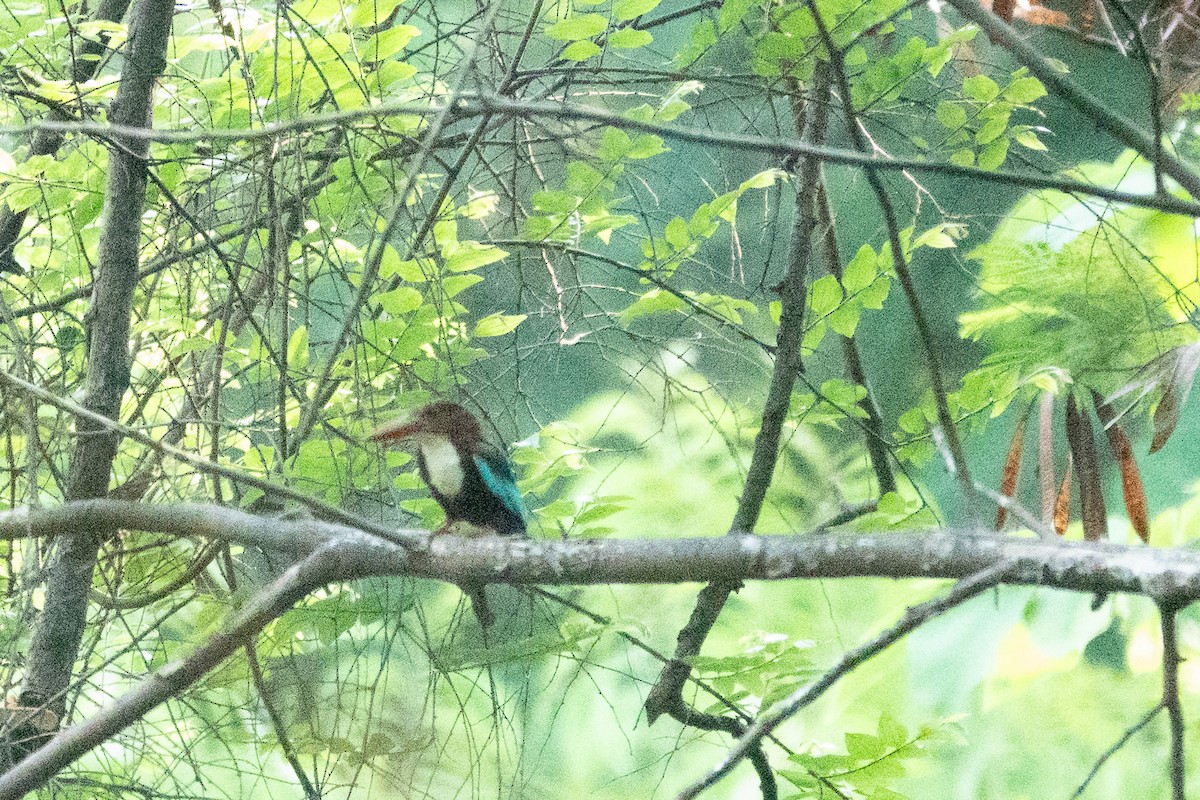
(475,504)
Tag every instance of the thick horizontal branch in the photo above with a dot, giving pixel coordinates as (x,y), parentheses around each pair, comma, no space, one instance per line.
(1167,575)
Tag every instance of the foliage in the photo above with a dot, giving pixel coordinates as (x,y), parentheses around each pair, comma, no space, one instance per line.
(339,230)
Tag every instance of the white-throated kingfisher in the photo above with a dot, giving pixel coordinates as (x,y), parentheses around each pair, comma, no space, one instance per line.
(471,480)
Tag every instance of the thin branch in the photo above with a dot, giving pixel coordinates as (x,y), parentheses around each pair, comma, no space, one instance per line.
(285,743)
(666,697)
(901,267)
(1170,698)
(1120,128)
(1116,746)
(784,710)
(873,438)
(321,567)
(476,104)
(209,467)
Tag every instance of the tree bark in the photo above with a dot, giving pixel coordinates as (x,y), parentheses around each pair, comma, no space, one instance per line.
(59,629)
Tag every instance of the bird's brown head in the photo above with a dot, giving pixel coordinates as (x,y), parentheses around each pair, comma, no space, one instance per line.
(442,418)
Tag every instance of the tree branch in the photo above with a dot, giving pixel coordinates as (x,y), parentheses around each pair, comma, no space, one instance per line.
(1167,575)
(474,104)
(901,267)
(666,695)
(59,629)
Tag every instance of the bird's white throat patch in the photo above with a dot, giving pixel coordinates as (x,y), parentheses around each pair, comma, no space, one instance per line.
(442,464)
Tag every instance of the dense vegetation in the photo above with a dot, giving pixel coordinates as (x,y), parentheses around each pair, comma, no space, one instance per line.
(871,278)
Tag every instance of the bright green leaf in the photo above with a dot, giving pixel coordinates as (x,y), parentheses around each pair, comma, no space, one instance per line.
(464,256)
(399,301)
(624,10)
(992,156)
(844,319)
(676,233)
(861,270)
(1024,90)
(584,26)
(951,115)
(826,295)
(630,38)
(580,51)
(981,88)
(498,324)
(655,301)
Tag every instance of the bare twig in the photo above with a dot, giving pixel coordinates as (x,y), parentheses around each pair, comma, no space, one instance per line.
(877,446)
(913,618)
(277,722)
(666,695)
(1116,746)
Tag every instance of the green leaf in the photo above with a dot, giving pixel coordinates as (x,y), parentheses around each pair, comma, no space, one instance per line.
(630,38)
(614,144)
(456,284)
(655,301)
(763,180)
(645,145)
(981,88)
(676,233)
(297,349)
(992,156)
(826,295)
(555,202)
(842,393)
(371,12)
(874,295)
(963,158)
(465,256)
(674,104)
(1027,138)
(951,115)
(940,237)
(498,324)
(388,43)
(400,301)
(1024,90)
(844,319)
(580,51)
(861,270)
(624,10)
(724,306)
(992,129)
(584,26)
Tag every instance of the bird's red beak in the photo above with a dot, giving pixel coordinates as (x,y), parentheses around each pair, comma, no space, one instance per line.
(394,431)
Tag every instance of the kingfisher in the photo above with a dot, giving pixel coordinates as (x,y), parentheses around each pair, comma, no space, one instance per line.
(470,478)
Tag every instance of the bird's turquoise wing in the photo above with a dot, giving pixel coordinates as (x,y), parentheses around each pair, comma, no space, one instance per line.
(498,475)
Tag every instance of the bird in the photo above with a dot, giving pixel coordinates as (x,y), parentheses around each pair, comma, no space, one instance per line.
(470,478)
